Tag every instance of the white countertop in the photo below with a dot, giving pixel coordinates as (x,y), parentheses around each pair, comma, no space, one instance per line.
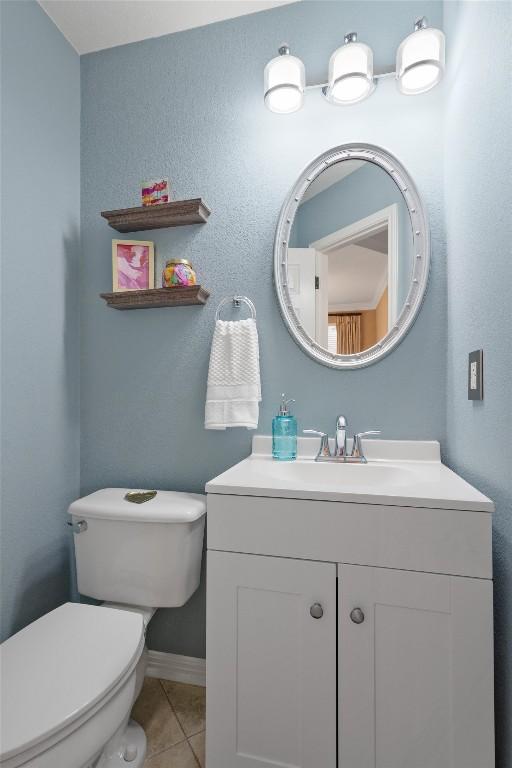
(398,473)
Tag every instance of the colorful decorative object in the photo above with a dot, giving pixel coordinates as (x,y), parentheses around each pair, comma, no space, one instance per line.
(155,192)
(178,272)
(133,265)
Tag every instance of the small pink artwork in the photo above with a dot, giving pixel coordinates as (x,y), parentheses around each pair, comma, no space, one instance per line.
(133,265)
(155,192)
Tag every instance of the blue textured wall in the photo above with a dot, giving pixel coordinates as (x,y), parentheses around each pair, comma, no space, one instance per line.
(190,106)
(40,213)
(361,193)
(478,194)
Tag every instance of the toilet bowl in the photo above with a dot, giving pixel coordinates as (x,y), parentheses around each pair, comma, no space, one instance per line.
(68,683)
(69,679)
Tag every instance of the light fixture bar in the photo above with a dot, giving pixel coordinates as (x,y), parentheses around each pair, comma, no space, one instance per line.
(387,72)
(419,67)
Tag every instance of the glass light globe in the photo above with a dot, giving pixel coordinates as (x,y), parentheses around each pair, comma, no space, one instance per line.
(284,82)
(420,59)
(350,72)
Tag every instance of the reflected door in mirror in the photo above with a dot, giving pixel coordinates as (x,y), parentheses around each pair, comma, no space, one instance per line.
(350,257)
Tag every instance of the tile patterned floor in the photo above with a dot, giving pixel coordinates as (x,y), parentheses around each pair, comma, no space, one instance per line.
(173,716)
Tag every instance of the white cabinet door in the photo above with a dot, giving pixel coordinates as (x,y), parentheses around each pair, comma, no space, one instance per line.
(271,666)
(416,675)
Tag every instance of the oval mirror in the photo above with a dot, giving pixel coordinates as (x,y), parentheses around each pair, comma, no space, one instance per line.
(351,256)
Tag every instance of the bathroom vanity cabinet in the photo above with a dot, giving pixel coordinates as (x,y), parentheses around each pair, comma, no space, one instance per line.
(347,634)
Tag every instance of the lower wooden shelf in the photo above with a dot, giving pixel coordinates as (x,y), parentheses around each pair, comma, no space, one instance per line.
(157,297)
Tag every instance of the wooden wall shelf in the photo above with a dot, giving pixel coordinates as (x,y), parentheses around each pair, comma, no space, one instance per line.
(176,214)
(157,297)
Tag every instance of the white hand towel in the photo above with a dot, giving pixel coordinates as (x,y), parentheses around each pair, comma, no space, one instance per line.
(234,391)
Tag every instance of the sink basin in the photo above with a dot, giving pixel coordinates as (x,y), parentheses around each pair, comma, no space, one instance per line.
(398,473)
(308,474)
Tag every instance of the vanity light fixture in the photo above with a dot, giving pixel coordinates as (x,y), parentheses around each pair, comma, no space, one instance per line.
(420,59)
(284,82)
(419,67)
(350,72)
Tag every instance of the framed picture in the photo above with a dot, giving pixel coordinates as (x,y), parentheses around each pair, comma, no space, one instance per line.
(155,191)
(133,265)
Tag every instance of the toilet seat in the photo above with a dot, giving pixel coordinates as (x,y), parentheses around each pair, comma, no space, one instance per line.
(58,671)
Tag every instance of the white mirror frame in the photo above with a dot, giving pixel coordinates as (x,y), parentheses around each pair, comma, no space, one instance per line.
(421,266)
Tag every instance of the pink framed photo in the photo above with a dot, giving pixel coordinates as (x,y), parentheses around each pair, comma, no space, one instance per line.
(133,265)
(155,192)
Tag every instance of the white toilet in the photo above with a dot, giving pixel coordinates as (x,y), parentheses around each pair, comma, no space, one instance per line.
(69,679)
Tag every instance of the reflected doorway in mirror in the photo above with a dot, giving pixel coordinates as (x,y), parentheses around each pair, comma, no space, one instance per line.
(350,273)
(351,256)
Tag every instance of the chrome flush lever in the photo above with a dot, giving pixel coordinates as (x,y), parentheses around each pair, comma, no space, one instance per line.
(78,527)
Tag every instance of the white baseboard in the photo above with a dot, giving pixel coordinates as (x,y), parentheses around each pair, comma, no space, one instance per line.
(181,669)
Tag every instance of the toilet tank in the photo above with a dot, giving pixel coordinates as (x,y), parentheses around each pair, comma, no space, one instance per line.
(146,554)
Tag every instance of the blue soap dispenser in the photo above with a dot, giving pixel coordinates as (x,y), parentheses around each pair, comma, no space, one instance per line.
(284,433)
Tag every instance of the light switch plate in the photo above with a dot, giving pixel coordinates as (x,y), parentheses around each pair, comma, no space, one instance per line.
(476,375)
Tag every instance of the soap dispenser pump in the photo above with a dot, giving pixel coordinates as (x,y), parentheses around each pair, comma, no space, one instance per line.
(284,432)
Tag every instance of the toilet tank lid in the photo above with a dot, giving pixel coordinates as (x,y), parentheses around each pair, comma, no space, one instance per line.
(165,507)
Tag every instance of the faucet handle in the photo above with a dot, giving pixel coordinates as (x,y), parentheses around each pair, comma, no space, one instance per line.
(324,449)
(357,447)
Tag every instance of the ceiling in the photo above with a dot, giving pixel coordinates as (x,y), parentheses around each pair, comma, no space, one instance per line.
(330,176)
(92,25)
(378,241)
(357,278)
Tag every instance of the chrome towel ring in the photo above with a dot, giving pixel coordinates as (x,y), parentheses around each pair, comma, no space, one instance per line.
(236,301)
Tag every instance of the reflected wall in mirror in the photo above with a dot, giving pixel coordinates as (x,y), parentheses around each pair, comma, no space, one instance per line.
(352,260)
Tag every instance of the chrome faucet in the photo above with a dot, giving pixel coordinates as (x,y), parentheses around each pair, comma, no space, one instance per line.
(340,444)
(340,436)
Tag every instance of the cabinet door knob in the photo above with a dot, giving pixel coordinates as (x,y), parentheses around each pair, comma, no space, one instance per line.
(357,615)
(316,611)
